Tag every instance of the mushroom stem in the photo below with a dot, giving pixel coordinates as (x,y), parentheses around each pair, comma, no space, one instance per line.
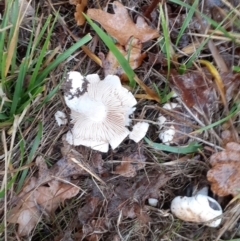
(203,191)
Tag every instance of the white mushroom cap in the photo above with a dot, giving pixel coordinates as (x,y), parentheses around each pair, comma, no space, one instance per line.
(153,202)
(99,110)
(199,208)
(139,131)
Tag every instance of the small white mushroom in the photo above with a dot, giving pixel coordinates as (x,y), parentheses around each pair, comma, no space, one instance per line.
(99,110)
(60,118)
(152,202)
(139,131)
(199,208)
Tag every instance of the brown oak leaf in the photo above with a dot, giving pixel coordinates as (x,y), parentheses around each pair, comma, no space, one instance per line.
(120,26)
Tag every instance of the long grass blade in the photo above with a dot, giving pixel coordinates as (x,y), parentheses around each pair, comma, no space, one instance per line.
(110,44)
(192,147)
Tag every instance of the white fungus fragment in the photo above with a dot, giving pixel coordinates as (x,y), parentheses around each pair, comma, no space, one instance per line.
(170,106)
(199,208)
(161,120)
(139,131)
(166,136)
(61,118)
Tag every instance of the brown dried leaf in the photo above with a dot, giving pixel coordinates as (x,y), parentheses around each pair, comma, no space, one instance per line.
(80,6)
(130,165)
(132,53)
(120,25)
(224,174)
(89,210)
(36,198)
(194,91)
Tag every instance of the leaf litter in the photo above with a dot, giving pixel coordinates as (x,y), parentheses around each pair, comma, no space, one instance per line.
(42,196)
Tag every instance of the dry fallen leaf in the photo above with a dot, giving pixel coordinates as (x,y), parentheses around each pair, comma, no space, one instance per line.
(130,165)
(224,174)
(43,195)
(120,26)
(132,53)
(195,91)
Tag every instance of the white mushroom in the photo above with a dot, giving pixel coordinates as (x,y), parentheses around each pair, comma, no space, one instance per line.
(199,208)
(152,202)
(139,131)
(99,110)
(60,118)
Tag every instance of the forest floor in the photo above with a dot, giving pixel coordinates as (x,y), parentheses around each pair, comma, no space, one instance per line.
(180,60)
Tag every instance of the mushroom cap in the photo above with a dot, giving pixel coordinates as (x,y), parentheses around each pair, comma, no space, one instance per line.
(99,110)
(199,208)
(139,131)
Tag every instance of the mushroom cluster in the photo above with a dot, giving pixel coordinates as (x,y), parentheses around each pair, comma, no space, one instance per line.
(100,111)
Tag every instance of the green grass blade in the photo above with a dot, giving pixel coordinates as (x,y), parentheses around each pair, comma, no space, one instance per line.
(40,35)
(236,68)
(166,38)
(62,57)
(34,148)
(42,55)
(18,87)
(187,20)
(214,23)
(192,147)
(9,185)
(110,44)
(235,110)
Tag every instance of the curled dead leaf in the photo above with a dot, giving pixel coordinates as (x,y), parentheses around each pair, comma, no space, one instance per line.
(120,26)
(224,174)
